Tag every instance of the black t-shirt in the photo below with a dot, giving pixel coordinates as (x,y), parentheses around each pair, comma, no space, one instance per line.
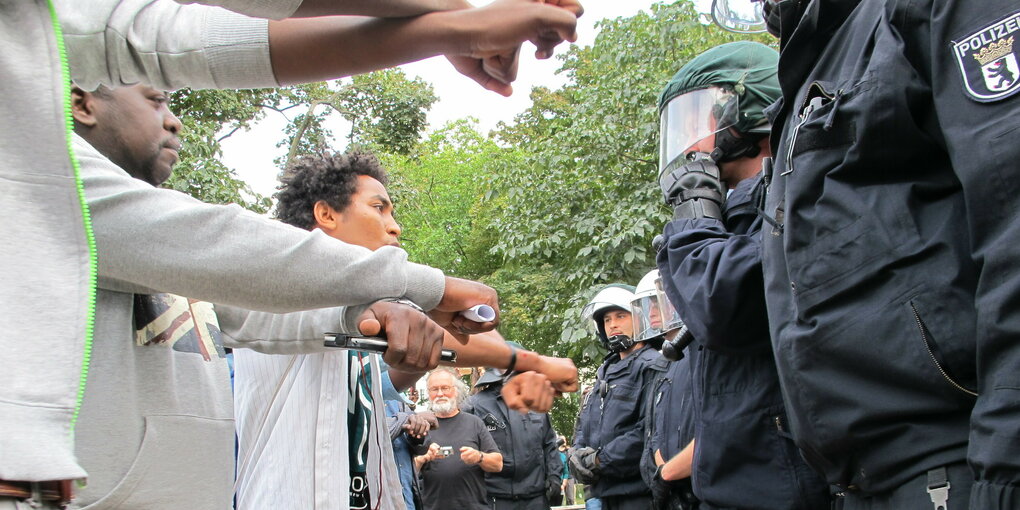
(450,483)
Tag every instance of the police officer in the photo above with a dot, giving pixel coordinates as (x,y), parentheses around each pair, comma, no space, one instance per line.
(714,138)
(531,462)
(669,423)
(610,436)
(891,260)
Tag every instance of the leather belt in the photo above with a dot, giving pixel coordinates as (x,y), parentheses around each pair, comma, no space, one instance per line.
(56,491)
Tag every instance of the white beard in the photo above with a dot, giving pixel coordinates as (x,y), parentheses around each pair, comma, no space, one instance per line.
(443,407)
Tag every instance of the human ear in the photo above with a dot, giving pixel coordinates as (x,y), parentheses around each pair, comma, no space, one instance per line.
(326,218)
(83,107)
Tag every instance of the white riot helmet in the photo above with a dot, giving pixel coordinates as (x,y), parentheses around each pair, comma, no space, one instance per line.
(613,297)
(645,308)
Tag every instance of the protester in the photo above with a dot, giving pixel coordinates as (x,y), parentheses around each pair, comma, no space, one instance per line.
(568,483)
(345,197)
(409,432)
(167,370)
(461,452)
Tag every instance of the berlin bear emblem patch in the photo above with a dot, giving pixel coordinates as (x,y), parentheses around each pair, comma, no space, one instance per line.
(988,60)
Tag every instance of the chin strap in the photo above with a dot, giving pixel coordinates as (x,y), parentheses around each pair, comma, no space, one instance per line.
(729,147)
(619,343)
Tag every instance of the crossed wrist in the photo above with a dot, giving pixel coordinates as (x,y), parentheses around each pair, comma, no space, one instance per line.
(457,29)
(528,361)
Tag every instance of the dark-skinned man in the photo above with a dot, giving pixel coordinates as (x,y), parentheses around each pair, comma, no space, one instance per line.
(161,354)
(287,460)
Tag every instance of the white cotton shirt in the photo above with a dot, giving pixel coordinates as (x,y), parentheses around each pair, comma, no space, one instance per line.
(291,413)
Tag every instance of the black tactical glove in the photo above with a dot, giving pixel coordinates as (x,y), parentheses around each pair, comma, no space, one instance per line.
(552,491)
(660,491)
(583,464)
(675,495)
(695,189)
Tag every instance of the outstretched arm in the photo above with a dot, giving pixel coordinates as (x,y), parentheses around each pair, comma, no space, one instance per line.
(491,350)
(171,46)
(483,42)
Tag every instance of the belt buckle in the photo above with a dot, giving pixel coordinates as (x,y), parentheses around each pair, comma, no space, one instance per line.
(938,488)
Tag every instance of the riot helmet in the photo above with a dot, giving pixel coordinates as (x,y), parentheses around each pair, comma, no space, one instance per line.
(645,309)
(721,92)
(671,320)
(676,336)
(755,16)
(614,297)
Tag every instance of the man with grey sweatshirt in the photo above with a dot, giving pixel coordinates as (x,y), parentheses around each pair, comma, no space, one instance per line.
(156,421)
(51,264)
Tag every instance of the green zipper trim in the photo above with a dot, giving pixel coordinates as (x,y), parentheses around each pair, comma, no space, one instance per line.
(90,304)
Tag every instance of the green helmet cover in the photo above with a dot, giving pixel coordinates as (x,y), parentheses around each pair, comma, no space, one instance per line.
(747,68)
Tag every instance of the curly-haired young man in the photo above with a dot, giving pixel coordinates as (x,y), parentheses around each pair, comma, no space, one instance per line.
(345,197)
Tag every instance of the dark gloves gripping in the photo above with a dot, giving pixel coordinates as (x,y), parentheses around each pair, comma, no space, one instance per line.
(695,189)
(553,486)
(583,464)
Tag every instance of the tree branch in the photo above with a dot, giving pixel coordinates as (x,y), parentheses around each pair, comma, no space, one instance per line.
(224,137)
(300,133)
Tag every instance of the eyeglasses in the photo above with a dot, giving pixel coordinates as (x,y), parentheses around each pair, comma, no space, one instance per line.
(441,389)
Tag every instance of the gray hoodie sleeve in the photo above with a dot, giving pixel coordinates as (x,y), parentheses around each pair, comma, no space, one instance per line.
(278,333)
(272,9)
(151,239)
(165,44)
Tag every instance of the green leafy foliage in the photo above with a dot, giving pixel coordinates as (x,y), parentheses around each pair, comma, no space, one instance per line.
(387,110)
(584,203)
(204,114)
(438,194)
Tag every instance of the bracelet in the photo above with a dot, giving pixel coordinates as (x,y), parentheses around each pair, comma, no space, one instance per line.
(513,361)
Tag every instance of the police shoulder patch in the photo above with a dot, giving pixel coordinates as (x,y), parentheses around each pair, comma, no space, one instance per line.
(988,60)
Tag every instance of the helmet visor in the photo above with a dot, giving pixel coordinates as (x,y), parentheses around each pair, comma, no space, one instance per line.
(691,117)
(670,317)
(647,318)
(740,16)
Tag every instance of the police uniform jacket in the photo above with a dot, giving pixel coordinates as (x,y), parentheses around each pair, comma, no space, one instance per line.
(612,421)
(744,456)
(527,442)
(893,265)
(669,425)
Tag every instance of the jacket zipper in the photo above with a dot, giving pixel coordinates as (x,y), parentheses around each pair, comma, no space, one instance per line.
(90,305)
(927,346)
